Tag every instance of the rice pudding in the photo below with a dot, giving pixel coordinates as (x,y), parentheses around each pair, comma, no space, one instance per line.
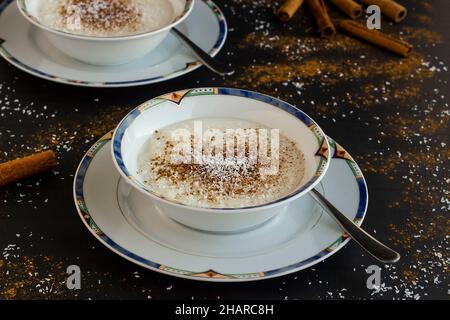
(107,18)
(217,170)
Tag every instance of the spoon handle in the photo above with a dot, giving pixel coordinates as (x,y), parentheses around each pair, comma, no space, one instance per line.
(365,240)
(203,56)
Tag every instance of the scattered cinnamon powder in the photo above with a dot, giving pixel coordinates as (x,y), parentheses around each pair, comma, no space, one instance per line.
(62,136)
(411,275)
(401,127)
(422,35)
(330,72)
(32,277)
(422,18)
(418,229)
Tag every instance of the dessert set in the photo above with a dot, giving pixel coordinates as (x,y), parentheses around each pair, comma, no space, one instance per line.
(212,221)
(216,244)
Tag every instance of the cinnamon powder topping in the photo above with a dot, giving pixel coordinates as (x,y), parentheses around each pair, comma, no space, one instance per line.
(220,181)
(101,15)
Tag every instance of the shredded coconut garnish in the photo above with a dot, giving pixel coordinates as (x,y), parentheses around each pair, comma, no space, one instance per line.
(221,181)
(101,15)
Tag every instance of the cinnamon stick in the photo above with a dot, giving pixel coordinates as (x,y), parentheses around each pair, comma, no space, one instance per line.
(349,7)
(376,37)
(288,9)
(389,8)
(22,168)
(323,20)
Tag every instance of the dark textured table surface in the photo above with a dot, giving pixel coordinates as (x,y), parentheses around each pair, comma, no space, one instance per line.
(392,114)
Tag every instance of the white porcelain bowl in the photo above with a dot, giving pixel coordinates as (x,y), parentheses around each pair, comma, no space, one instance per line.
(136,128)
(104,51)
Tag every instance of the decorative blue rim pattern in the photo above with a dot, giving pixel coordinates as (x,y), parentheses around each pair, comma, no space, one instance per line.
(188,68)
(211,275)
(303,117)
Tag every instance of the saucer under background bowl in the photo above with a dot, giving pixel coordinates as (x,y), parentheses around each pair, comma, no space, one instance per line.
(296,239)
(27,48)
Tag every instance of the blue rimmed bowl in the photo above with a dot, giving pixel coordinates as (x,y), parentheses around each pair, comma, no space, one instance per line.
(136,128)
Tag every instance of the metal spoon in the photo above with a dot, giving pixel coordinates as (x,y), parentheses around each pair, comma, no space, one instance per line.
(212,63)
(365,240)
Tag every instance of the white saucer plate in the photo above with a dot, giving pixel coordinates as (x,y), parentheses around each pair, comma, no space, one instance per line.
(27,48)
(296,239)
